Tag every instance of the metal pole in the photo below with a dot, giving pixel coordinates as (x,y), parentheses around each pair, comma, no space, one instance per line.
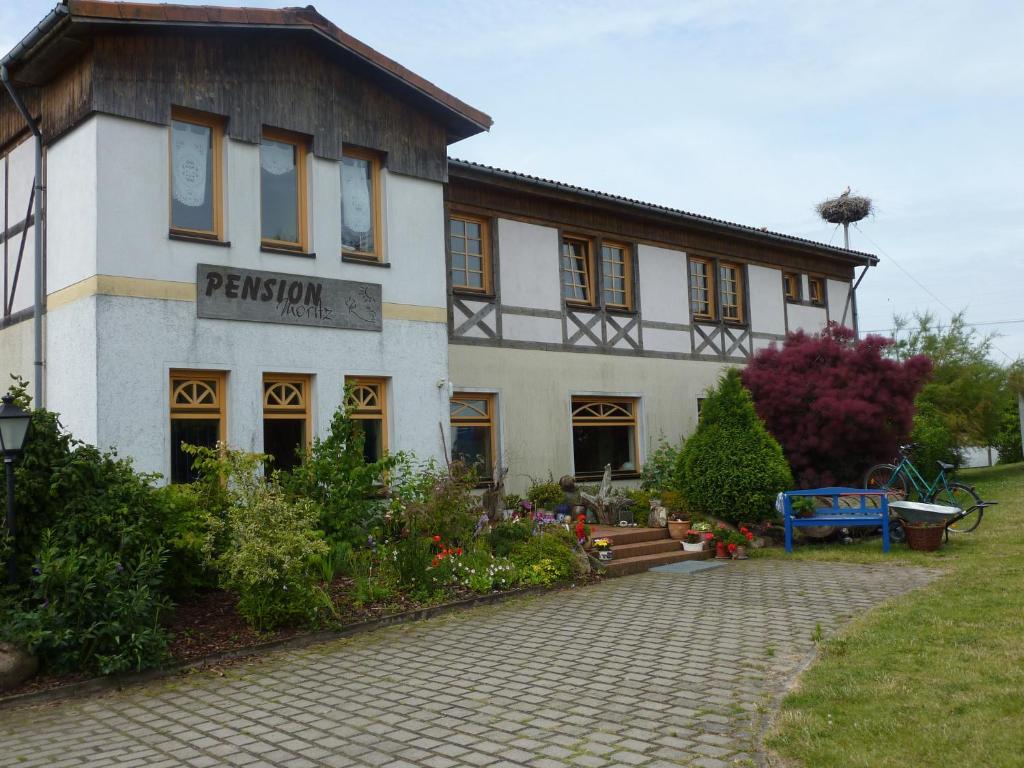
(846,234)
(12,568)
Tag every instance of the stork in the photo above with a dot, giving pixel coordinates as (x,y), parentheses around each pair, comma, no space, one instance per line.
(846,192)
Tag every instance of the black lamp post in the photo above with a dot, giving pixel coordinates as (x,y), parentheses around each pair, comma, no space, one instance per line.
(13,428)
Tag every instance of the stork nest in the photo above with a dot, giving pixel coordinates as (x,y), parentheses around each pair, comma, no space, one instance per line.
(844,210)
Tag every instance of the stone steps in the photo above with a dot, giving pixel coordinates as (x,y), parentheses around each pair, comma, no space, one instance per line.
(637,549)
(629,565)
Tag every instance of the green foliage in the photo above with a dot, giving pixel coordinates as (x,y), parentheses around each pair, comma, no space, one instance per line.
(188,528)
(504,537)
(731,468)
(545,494)
(265,546)
(435,501)
(641,506)
(549,546)
(512,501)
(335,476)
(541,573)
(482,572)
(410,561)
(967,390)
(90,554)
(659,469)
(938,442)
(371,583)
(1008,440)
(93,610)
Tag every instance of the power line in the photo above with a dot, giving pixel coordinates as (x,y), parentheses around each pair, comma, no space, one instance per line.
(943,327)
(921,285)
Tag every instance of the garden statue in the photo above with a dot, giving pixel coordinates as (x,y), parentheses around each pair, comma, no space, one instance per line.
(493,499)
(607,503)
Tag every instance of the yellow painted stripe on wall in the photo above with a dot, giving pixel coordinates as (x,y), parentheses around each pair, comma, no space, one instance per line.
(170,290)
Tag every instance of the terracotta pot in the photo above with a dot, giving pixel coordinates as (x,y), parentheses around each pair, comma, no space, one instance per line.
(740,554)
(721,553)
(678,528)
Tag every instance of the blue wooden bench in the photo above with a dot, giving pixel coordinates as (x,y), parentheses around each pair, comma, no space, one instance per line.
(834,515)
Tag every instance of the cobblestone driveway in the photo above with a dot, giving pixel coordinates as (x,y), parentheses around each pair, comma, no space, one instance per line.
(652,670)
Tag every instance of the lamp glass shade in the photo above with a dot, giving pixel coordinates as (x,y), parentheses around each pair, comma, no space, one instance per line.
(13,427)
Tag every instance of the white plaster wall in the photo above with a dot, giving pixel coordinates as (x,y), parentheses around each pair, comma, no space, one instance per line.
(140,340)
(661,340)
(529,265)
(767,313)
(529,328)
(133,220)
(810,319)
(836,293)
(536,387)
(19,177)
(664,295)
(16,353)
(71,197)
(71,382)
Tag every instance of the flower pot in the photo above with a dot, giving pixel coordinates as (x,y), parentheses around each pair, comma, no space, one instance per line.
(740,554)
(678,528)
(604,555)
(721,553)
(924,537)
(694,546)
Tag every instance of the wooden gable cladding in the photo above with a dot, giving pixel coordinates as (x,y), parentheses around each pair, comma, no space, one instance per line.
(63,103)
(258,79)
(486,195)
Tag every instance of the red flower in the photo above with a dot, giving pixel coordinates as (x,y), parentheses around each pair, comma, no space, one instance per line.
(709,535)
(731,547)
(750,536)
(437,539)
(744,530)
(436,562)
(582,518)
(458,551)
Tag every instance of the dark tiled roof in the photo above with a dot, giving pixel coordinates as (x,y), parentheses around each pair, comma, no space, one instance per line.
(858,257)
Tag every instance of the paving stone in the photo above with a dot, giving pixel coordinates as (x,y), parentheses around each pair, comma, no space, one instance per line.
(497,687)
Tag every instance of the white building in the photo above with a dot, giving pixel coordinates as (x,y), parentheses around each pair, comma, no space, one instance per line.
(246,208)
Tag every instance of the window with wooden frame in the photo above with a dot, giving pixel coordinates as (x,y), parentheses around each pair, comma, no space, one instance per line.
(469,249)
(287,418)
(369,409)
(474,432)
(198,409)
(604,432)
(730,292)
(616,276)
(360,204)
(577,271)
(283,216)
(702,289)
(816,289)
(791,286)
(196,149)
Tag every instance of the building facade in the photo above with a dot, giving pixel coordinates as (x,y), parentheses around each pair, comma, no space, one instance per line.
(246,210)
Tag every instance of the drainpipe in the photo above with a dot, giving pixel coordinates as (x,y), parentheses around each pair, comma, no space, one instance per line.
(37,309)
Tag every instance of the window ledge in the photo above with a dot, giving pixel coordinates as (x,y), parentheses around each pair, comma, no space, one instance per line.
(185,237)
(621,311)
(469,294)
(350,259)
(581,305)
(621,475)
(287,251)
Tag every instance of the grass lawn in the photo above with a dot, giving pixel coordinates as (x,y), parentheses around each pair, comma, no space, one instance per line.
(935,678)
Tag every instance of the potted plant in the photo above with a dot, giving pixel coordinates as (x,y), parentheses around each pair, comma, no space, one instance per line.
(582,531)
(693,541)
(747,536)
(603,547)
(678,524)
(803,506)
(706,534)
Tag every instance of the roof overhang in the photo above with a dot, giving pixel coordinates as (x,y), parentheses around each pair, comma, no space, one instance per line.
(64,33)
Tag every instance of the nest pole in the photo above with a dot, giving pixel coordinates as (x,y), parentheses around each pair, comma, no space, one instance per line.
(846,234)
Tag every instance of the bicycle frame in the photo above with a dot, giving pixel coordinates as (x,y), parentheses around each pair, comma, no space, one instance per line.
(924,489)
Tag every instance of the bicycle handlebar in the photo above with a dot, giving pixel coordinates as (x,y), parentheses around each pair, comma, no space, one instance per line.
(909,447)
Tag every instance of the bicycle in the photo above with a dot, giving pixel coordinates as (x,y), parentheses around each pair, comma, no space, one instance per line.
(894,479)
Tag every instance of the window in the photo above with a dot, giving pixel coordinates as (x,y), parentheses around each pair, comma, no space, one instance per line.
(730,291)
(473,431)
(198,417)
(467,243)
(817,290)
(576,270)
(791,286)
(604,432)
(702,290)
(368,401)
(360,204)
(286,418)
(195,168)
(283,190)
(616,276)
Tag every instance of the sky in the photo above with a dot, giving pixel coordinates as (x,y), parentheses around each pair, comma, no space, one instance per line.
(751,112)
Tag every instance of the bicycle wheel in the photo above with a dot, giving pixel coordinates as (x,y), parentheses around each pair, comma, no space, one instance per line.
(964,497)
(884,477)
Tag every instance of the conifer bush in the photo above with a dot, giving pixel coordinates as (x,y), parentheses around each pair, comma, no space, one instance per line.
(731,468)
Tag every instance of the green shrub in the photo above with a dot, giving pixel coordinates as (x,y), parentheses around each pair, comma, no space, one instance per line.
(512,501)
(545,494)
(541,573)
(550,547)
(336,477)
(936,439)
(411,561)
(641,506)
(431,501)
(481,572)
(1008,441)
(731,468)
(188,528)
(504,537)
(370,582)
(659,469)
